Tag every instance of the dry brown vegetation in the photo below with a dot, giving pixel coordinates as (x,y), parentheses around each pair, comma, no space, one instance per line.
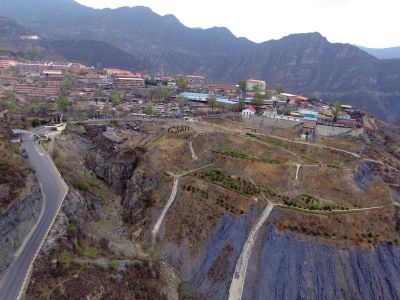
(202,202)
(13,170)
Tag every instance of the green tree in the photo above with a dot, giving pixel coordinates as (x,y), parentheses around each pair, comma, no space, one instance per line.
(68,82)
(149,110)
(181,101)
(182,84)
(258,101)
(212,101)
(11,106)
(116,97)
(257,88)
(243,85)
(62,106)
(336,110)
(280,88)
(64,258)
(164,93)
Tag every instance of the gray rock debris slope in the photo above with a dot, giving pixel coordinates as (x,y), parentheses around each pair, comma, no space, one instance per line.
(288,268)
(282,266)
(16,222)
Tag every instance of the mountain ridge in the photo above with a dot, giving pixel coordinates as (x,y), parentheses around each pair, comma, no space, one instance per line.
(304,63)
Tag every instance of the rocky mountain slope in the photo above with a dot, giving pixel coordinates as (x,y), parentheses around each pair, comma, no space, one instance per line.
(13,43)
(304,63)
(17,221)
(20,198)
(97,54)
(90,52)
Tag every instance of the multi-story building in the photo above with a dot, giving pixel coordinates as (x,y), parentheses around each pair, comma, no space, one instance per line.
(39,67)
(7,63)
(127,83)
(251,83)
(221,89)
(192,81)
(195,81)
(52,72)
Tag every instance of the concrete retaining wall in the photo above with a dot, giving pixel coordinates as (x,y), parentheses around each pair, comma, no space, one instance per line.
(266,121)
(324,130)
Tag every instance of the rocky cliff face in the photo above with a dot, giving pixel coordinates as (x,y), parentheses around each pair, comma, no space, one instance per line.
(113,167)
(138,195)
(284,266)
(79,207)
(17,221)
(124,171)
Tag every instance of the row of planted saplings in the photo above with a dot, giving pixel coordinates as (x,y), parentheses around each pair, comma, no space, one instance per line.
(178,129)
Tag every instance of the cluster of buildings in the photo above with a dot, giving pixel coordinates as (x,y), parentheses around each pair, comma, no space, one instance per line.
(285,107)
(315,116)
(44,81)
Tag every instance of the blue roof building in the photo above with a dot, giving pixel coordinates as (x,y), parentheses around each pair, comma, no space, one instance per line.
(311,113)
(310,119)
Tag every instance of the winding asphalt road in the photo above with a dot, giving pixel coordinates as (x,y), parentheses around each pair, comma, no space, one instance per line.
(54,191)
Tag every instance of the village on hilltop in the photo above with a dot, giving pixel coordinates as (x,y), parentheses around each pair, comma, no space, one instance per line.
(87,92)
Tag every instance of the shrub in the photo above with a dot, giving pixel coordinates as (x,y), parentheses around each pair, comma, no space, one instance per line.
(113,264)
(64,258)
(90,252)
(72,229)
(80,183)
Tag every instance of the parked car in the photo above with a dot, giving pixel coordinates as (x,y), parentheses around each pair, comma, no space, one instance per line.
(44,137)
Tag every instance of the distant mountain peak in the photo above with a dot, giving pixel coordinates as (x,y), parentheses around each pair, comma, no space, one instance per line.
(308,36)
(141,9)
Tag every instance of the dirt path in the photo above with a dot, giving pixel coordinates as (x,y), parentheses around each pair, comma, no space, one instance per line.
(194,156)
(238,280)
(297,171)
(323,212)
(171,199)
(353,154)
(299,166)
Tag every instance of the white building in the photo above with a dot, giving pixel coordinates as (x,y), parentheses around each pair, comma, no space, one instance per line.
(248,112)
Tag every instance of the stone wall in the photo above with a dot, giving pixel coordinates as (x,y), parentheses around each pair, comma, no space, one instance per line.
(17,221)
(286,122)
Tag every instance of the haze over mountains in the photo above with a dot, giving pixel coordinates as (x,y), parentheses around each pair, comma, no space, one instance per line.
(139,39)
(383,53)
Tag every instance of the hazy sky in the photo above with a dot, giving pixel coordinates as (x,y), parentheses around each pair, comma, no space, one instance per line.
(371,23)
